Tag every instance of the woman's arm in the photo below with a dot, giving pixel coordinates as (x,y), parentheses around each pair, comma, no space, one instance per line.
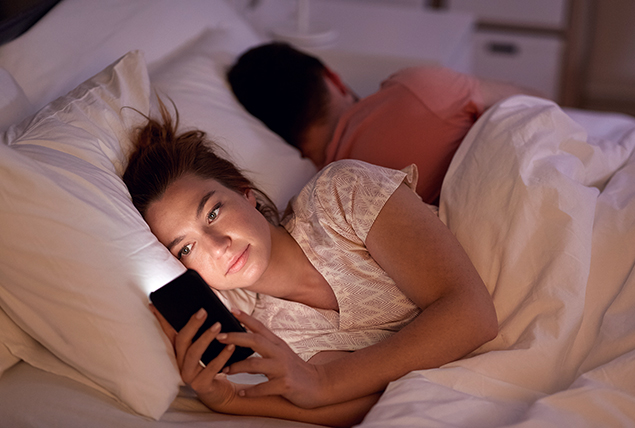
(221,395)
(337,415)
(430,267)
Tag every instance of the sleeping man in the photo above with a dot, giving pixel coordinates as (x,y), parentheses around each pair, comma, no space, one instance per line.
(420,115)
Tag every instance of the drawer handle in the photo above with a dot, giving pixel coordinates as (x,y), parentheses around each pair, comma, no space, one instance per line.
(503,48)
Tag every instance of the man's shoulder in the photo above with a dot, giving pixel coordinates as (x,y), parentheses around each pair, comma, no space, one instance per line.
(427,76)
(440,89)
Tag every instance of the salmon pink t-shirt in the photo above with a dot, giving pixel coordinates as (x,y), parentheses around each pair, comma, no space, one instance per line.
(420,115)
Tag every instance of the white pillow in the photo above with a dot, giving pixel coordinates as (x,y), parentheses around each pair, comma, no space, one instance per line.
(194,79)
(16,345)
(76,259)
(14,105)
(48,62)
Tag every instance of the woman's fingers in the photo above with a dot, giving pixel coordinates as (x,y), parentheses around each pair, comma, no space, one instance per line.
(190,362)
(247,340)
(183,339)
(272,387)
(203,382)
(188,354)
(193,372)
(267,366)
(169,331)
(260,338)
(255,326)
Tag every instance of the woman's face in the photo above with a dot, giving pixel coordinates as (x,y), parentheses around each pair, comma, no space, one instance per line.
(213,230)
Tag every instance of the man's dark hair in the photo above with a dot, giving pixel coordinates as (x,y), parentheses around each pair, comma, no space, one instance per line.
(282,87)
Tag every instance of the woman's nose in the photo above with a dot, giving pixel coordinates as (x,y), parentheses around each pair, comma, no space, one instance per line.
(217,243)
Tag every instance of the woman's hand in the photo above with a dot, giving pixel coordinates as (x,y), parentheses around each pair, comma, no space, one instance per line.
(221,395)
(212,387)
(289,376)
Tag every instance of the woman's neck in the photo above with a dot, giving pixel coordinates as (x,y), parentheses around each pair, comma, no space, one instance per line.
(291,276)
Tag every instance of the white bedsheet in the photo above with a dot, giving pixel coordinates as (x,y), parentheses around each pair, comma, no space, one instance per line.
(34,398)
(547,215)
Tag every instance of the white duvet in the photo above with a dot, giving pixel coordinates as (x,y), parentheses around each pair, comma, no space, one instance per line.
(547,215)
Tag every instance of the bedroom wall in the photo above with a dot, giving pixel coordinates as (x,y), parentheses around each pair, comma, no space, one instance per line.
(610,80)
(599,72)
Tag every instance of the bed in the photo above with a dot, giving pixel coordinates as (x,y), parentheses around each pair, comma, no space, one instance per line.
(542,199)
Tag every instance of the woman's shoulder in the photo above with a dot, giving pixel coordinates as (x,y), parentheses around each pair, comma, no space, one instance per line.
(345,180)
(347,195)
(345,166)
(337,180)
(338,174)
(353,185)
(351,170)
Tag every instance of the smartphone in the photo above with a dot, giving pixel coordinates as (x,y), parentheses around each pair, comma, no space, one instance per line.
(182,297)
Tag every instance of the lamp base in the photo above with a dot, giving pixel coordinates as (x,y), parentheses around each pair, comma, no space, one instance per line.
(317,35)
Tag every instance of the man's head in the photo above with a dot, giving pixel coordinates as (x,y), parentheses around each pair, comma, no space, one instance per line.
(282,87)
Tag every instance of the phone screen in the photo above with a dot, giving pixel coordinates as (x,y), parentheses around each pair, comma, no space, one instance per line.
(182,297)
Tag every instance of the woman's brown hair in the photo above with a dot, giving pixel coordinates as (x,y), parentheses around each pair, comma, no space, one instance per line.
(160,156)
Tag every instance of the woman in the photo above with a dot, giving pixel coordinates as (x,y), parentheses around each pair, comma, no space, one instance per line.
(358,252)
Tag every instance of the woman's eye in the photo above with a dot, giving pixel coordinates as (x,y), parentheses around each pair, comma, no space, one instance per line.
(185,251)
(213,214)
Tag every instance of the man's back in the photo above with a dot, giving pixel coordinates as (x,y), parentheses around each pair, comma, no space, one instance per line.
(420,115)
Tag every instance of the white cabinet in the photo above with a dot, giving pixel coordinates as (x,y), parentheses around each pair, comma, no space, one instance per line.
(531,61)
(550,14)
(519,41)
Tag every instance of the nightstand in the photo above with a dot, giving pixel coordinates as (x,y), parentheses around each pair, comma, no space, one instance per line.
(519,41)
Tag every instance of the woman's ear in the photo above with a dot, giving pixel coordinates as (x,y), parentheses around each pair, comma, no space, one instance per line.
(251,197)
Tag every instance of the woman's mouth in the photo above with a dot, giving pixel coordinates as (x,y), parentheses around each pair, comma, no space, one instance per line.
(237,263)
